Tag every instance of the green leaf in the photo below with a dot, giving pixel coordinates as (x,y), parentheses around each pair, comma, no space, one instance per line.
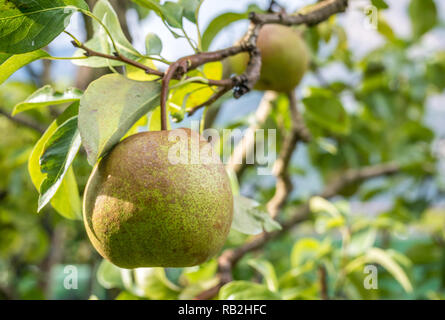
(11,63)
(250,218)
(153,284)
(266,269)
(245,290)
(222,21)
(423,14)
(360,292)
(5,56)
(154,124)
(151,4)
(58,154)
(153,44)
(138,74)
(101,41)
(172,13)
(47,96)
(380,4)
(203,272)
(327,216)
(385,29)
(361,241)
(323,108)
(190,8)
(192,290)
(140,124)
(377,255)
(308,251)
(108,109)
(435,74)
(30,25)
(190,94)
(219,23)
(109,276)
(66,200)
(319,204)
(424,253)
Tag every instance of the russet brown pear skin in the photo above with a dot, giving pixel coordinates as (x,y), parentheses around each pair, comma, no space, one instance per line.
(142,211)
(284,58)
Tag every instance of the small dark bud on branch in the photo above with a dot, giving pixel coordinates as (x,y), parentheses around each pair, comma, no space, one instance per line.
(240,90)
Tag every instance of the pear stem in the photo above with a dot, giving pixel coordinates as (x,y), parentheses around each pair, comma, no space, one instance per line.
(164,93)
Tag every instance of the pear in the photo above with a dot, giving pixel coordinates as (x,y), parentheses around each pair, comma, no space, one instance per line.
(284,58)
(156,201)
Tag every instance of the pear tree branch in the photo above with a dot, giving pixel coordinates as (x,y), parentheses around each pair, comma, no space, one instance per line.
(240,84)
(319,12)
(245,82)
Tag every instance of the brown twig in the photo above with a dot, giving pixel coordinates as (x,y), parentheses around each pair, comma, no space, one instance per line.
(318,13)
(117,57)
(232,256)
(24,122)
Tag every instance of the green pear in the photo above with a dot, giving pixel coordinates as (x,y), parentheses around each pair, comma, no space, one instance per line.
(284,58)
(156,201)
